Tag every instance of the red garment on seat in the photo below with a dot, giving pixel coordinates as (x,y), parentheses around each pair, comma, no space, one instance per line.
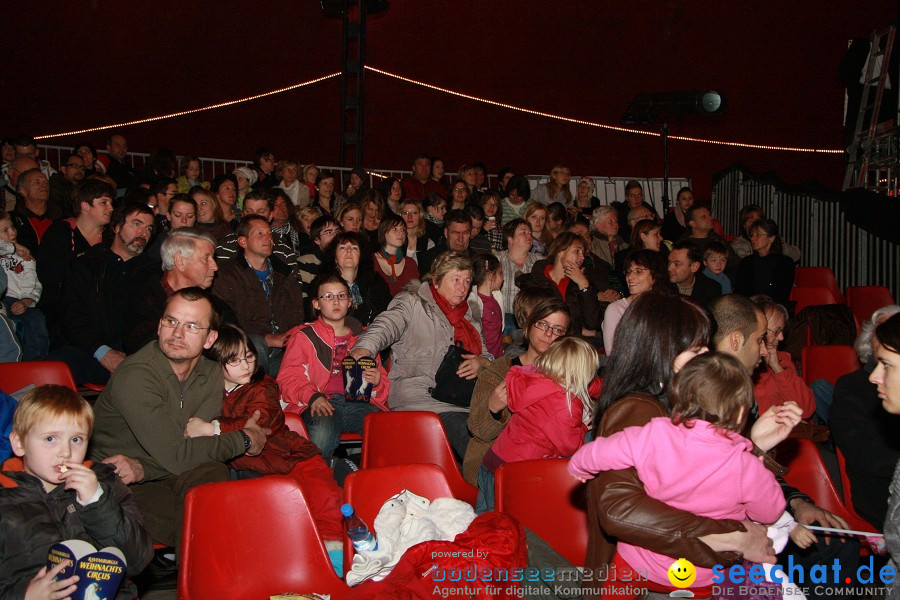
(498,538)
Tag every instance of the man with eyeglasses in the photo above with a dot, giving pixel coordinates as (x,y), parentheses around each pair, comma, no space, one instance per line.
(142,413)
(95,296)
(265,293)
(62,184)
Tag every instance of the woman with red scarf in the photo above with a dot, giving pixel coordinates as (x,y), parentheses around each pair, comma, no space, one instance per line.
(420,324)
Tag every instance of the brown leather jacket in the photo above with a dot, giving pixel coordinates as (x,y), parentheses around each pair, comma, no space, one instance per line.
(618,506)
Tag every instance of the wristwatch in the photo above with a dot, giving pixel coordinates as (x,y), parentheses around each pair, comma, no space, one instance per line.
(247,442)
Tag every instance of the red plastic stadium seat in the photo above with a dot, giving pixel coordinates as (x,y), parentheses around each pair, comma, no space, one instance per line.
(543,497)
(368,489)
(412,437)
(812,296)
(827,362)
(818,277)
(252,539)
(295,423)
(845,484)
(809,475)
(866,299)
(15,376)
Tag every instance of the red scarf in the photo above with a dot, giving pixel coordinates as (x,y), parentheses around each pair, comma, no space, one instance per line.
(463,331)
(563,284)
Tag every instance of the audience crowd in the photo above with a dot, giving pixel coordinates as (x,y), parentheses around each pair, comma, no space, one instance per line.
(208,309)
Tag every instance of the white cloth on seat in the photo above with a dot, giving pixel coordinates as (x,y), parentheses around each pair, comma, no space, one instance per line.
(404,521)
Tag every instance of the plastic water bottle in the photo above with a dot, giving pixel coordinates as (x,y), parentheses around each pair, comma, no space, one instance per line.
(358,531)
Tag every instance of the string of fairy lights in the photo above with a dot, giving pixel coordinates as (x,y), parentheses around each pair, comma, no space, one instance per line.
(457,94)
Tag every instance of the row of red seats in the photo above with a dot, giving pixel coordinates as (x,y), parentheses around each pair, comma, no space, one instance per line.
(815,286)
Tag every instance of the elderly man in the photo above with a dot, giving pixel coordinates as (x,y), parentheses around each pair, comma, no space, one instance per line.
(141,415)
(33,214)
(187,261)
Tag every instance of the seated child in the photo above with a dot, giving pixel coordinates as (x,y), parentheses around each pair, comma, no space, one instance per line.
(23,292)
(248,389)
(311,378)
(551,406)
(49,495)
(715,259)
(696,461)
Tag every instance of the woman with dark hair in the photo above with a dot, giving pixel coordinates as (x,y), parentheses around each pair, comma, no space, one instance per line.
(556,220)
(645,234)
(435,207)
(645,271)
(458,196)
(674,226)
(749,214)
(887,377)
(369,294)
(373,211)
(493,217)
(88,154)
(634,392)
(562,273)
(392,191)
(488,414)
(766,271)
(390,259)
(327,200)
(515,198)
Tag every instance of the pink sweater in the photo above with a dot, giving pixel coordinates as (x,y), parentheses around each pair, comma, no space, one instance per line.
(703,469)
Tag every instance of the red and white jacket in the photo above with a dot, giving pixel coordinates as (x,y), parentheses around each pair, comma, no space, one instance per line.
(306,367)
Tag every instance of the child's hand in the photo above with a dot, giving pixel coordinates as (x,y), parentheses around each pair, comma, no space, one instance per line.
(81,479)
(373,376)
(198,428)
(803,537)
(581,479)
(42,586)
(321,407)
(18,307)
(23,252)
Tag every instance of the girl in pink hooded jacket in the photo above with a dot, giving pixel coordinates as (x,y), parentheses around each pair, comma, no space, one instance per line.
(551,406)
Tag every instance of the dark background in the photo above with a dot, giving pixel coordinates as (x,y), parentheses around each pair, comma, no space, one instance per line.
(72,65)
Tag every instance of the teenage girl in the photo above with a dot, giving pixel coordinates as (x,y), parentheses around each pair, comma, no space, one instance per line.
(551,406)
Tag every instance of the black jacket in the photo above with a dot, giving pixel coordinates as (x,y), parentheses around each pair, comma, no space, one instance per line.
(95,297)
(705,289)
(772,275)
(584,305)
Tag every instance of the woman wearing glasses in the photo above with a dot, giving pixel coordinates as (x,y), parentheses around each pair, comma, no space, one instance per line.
(311,377)
(645,271)
(488,414)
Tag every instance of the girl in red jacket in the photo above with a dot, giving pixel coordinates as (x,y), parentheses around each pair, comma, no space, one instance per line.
(248,389)
(551,404)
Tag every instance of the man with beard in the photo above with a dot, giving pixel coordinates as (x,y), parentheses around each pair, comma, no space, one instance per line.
(95,295)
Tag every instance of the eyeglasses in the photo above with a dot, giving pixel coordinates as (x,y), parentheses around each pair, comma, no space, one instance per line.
(248,358)
(410,213)
(171,323)
(636,270)
(328,296)
(775,332)
(545,326)
(459,190)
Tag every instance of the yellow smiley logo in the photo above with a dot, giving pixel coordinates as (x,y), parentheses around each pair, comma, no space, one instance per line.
(682,573)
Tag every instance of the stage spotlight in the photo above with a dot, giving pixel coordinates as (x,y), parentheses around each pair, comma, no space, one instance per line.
(653,108)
